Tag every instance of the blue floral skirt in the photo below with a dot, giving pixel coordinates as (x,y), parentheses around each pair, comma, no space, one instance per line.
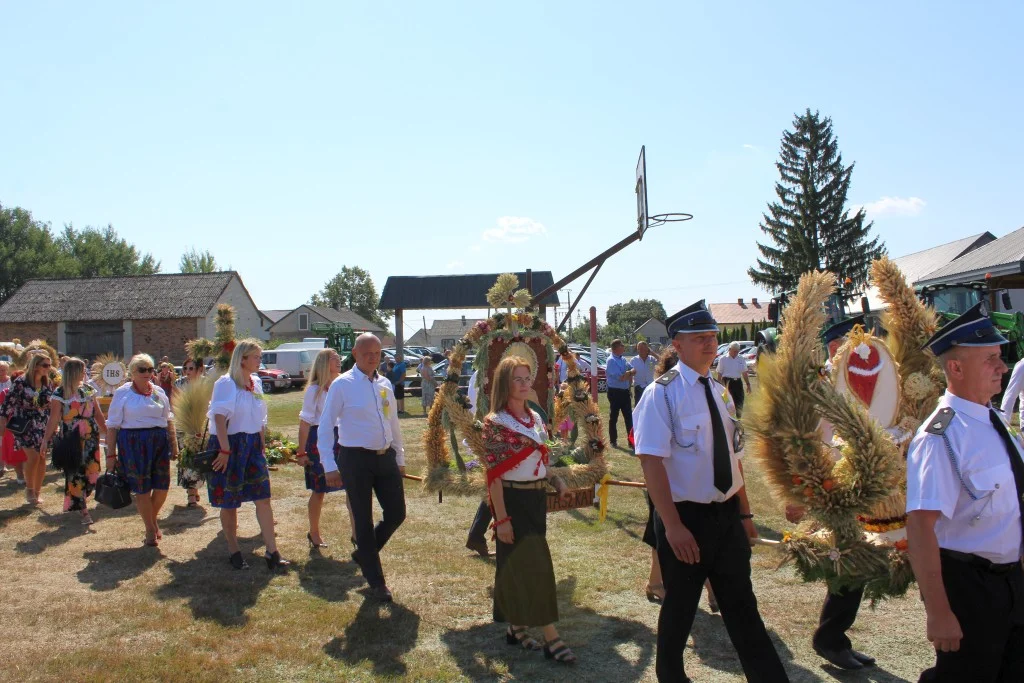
(316,481)
(144,459)
(246,477)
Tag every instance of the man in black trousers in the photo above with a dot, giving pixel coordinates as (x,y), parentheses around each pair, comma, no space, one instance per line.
(690,447)
(370,456)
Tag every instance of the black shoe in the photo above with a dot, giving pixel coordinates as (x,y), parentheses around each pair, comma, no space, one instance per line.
(844,659)
(381,593)
(312,545)
(479,547)
(237,562)
(866,660)
(276,563)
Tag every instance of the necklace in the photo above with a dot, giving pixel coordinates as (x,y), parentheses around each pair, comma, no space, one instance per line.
(147,394)
(525,423)
(251,385)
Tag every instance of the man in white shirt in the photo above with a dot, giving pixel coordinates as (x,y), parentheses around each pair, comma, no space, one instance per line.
(732,372)
(690,447)
(965,477)
(370,456)
(643,370)
(1014,391)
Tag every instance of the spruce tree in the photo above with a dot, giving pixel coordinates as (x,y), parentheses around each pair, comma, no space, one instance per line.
(809,226)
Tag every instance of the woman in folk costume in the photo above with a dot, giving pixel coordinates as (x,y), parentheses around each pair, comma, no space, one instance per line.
(517,478)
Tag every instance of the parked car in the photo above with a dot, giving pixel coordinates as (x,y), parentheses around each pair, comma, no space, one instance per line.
(413,382)
(602,370)
(296,362)
(273,379)
(724,349)
(421,351)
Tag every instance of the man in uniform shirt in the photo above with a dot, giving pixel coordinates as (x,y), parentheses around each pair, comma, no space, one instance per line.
(965,477)
(370,456)
(1014,391)
(620,376)
(732,371)
(690,449)
(642,365)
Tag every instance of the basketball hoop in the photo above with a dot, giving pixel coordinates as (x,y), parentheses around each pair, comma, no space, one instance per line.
(663,218)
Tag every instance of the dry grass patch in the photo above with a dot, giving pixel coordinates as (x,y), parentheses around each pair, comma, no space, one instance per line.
(81,606)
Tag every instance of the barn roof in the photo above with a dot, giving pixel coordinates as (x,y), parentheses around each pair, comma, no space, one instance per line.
(1004,256)
(452,291)
(338,315)
(140,297)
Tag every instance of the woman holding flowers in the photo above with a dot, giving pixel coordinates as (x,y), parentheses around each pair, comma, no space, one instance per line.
(516,457)
(141,441)
(238,420)
(74,405)
(27,405)
(326,369)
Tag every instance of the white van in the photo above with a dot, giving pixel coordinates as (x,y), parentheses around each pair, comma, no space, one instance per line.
(296,362)
(307,343)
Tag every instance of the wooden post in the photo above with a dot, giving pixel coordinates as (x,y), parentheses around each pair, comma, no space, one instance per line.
(593,352)
(399,328)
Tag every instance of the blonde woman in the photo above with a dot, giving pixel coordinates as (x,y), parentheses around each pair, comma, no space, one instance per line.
(238,420)
(75,405)
(326,369)
(428,385)
(517,479)
(27,405)
(141,441)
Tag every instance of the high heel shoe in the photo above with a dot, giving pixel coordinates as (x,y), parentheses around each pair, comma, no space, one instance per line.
(237,562)
(312,545)
(653,595)
(275,562)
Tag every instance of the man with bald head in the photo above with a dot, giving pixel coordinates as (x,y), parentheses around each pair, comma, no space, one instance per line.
(965,478)
(370,458)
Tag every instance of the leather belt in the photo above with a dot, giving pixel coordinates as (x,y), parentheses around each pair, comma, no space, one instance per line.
(979,561)
(375,451)
(539,484)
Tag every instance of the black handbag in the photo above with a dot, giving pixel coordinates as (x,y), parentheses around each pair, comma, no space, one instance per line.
(17,424)
(112,490)
(67,449)
(202,462)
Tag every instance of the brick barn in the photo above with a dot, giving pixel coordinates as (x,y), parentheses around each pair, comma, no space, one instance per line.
(154,314)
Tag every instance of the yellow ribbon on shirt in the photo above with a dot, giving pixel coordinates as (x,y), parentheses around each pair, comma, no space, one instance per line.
(602,496)
(385,404)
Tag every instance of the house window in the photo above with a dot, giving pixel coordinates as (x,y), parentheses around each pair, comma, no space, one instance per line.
(303,321)
(447,344)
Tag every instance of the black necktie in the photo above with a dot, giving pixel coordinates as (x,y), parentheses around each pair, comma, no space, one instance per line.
(723,463)
(1016,464)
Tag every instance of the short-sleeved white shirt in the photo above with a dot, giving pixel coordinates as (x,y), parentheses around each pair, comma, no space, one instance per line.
(732,368)
(245,410)
(644,370)
(131,410)
(689,453)
(312,405)
(989,526)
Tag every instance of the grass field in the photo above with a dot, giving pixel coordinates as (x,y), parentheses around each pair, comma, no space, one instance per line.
(78,606)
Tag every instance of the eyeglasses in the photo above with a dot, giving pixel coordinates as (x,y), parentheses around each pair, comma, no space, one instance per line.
(144,370)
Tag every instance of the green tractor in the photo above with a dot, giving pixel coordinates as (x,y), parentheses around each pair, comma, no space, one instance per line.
(837,310)
(340,336)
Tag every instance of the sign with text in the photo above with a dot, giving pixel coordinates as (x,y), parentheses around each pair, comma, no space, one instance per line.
(581,498)
(114,374)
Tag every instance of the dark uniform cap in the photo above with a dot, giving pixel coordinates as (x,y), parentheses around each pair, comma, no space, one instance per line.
(841,329)
(973,328)
(693,318)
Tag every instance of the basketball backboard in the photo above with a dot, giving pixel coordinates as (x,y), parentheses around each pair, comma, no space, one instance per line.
(641,194)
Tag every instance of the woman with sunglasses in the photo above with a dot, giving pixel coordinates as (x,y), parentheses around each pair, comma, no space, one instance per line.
(142,442)
(188,478)
(27,405)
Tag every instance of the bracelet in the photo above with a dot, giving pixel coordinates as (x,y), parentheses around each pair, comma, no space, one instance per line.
(747,516)
(499,522)
(224,452)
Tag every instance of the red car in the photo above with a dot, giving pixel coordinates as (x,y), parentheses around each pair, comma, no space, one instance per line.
(274,379)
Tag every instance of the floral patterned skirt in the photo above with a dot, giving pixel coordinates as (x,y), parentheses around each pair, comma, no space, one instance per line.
(316,481)
(79,484)
(246,477)
(144,459)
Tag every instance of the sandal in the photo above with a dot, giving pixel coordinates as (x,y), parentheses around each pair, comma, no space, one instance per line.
(237,561)
(656,593)
(87,519)
(519,636)
(150,543)
(561,653)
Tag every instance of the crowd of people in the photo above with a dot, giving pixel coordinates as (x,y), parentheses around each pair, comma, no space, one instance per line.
(965,528)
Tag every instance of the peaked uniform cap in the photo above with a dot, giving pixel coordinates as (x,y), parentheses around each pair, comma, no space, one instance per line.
(694,318)
(973,328)
(842,328)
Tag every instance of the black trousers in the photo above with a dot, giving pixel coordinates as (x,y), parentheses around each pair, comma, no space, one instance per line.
(735,386)
(725,560)
(990,608)
(482,520)
(367,474)
(619,401)
(837,615)
(637,393)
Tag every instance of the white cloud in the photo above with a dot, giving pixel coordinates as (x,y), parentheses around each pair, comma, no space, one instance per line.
(895,206)
(514,230)
(749,146)
(454,265)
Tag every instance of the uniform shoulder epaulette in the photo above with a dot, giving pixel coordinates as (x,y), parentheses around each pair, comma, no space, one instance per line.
(665,379)
(938,423)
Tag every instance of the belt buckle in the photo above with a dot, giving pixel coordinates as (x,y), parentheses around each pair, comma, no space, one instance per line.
(381,451)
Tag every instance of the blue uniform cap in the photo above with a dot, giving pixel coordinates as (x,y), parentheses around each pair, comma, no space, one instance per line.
(973,328)
(841,329)
(693,318)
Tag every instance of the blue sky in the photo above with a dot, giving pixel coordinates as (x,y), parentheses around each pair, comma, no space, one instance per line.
(430,138)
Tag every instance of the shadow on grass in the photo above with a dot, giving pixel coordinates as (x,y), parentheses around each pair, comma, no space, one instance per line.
(182,518)
(8,516)
(380,634)
(108,569)
(482,655)
(871,674)
(65,526)
(212,588)
(329,579)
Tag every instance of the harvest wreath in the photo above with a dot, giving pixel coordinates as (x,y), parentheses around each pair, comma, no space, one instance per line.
(514,331)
